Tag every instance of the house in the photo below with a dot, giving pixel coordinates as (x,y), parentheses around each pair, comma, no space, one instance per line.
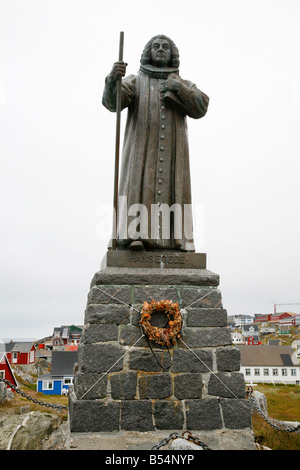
(253,340)
(250,334)
(284,329)
(258,318)
(267,330)
(275,317)
(61,375)
(250,330)
(237,338)
(240,320)
(6,371)
(269,364)
(66,337)
(296,347)
(20,353)
(43,353)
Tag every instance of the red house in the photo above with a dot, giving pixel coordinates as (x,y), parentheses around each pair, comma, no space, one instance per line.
(276,317)
(22,353)
(273,317)
(6,371)
(252,341)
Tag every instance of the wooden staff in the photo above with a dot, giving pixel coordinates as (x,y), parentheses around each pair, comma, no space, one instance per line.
(117,146)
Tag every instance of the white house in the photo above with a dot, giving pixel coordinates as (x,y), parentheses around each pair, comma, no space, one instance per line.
(237,338)
(296,346)
(240,320)
(269,364)
(267,330)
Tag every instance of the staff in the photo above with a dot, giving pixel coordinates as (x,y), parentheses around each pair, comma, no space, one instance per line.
(117,146)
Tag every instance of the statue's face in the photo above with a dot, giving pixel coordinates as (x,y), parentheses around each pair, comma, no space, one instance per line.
(160,52)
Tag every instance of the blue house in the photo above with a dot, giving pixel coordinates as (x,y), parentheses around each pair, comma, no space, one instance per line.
(61,375)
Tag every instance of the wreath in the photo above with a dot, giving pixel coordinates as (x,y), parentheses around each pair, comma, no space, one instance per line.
(163,336)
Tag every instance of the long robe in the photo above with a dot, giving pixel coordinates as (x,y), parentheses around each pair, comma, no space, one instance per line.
(155,170)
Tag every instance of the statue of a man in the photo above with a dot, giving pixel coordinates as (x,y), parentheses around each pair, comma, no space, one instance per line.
(155,171)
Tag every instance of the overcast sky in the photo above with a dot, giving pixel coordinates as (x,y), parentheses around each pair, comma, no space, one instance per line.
(57,147)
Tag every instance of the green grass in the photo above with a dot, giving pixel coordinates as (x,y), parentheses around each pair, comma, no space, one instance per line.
(284,405)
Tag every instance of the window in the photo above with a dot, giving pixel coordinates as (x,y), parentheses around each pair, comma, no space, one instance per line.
(284,372)
(256,372)
(2,374)
(47,384)
(275,372)
(68,380)
(266,371)
(293,372)
(247,371)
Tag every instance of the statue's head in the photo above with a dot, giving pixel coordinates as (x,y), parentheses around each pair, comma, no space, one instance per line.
(160,51)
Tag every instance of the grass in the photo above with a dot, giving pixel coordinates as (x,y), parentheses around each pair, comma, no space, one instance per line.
(284,405)
(12,407)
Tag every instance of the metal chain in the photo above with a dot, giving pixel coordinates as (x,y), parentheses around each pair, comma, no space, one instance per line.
(34,400)
(175,435)
(271,422)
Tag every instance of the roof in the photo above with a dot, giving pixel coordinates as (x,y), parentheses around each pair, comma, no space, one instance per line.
(252,326)
(66,329)
(63,362)
(40,353)
(4,360)
(280,356)
(22,347)
(76,328)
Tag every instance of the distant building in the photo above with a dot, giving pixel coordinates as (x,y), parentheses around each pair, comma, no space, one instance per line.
(43,353)
(20,353)
(284,329)
(252,340)
(240,320)
(277,317)
(250,330)
(269,364)
(237,338)
(61,375)
(267,330)
(64,337)
(6,371)
(251,334)
(296,346)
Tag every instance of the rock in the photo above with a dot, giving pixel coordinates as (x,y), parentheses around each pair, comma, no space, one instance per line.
(183,444)
(9,395)
(262,401)
(24,409)
(2,392)
(58,440)
(29,431)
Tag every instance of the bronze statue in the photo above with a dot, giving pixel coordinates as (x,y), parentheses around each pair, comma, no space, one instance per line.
(155,171)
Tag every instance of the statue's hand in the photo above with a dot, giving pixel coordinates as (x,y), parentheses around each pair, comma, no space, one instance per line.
(172,83)
(118,70)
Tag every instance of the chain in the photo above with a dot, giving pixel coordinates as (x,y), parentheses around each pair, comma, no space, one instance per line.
(165,441)
(175,435)
(34,400)
(271,422)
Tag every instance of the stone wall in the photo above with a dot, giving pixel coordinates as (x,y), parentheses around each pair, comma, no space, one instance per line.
(199,387)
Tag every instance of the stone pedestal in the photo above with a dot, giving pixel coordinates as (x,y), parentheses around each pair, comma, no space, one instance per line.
(120,385)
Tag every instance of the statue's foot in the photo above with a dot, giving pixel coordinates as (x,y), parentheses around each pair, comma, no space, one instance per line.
(137,245)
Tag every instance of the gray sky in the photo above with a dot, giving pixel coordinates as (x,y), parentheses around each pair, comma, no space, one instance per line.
(57,147)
